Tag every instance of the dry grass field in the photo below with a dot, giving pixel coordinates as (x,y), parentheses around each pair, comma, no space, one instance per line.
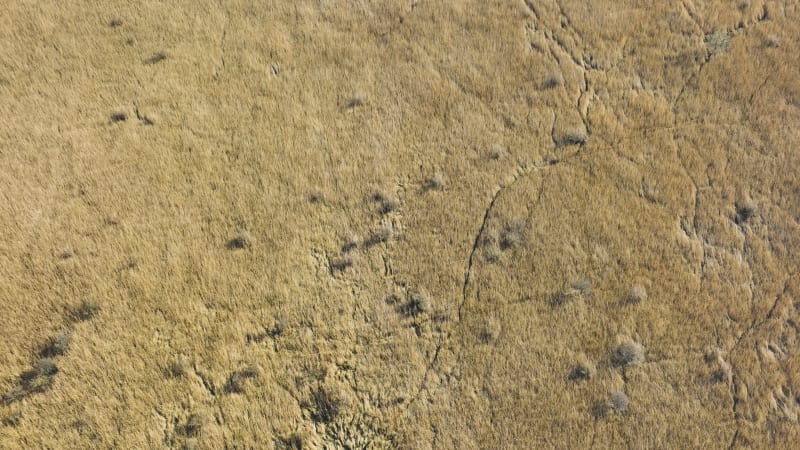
(416,224)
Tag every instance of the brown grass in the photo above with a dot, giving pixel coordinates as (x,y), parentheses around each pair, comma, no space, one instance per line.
(651,144)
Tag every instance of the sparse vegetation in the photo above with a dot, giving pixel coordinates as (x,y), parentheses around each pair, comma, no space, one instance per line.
(630,157)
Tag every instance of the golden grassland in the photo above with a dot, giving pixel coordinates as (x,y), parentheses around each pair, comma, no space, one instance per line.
(399,224)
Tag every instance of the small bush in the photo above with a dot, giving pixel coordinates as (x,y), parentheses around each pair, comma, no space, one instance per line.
(179,367)
(492,254)
(417,304)
(745,210)
(511,236)
(638,294)
(619,401)
(490,330)
(496,152)
(236,382)
(291,442)
(387,202)
(772,41)
(434,183)
(56,346)
(573,137)
(119,116)
(379,236)
(278,327)
(565,296)
(717,41)
(583,285)
(115,22)
(580,372)
(316,197)
(194,424)
(15,394)
(326,405)
(600,409)
(628,354)
(341,263)
(87,310)
(553,81)
(351,243)
(157,57)
(355,101)
(13,419)
(389,205)
(46,367)
(242,240)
